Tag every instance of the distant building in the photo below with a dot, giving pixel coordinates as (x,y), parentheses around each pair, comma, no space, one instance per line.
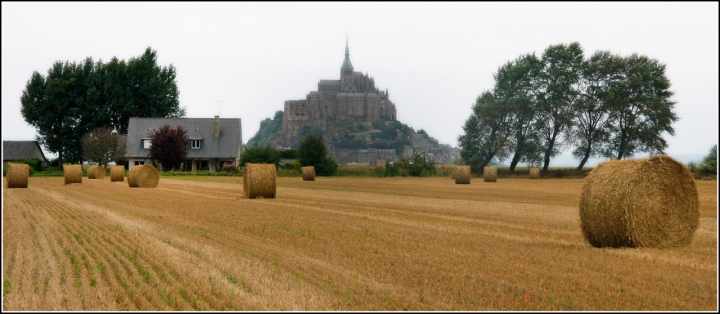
(213,142)
(353,97)
(23,150)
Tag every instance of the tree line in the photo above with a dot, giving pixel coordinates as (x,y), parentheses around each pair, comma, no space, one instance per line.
(79,98)
(603,106)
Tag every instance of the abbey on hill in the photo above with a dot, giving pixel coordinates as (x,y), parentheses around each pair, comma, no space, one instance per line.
(353,97)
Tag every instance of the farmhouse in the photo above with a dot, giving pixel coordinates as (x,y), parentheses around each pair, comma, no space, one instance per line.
(23,150)
(213,142)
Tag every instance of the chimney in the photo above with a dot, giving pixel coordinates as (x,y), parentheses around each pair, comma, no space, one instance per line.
(217,126)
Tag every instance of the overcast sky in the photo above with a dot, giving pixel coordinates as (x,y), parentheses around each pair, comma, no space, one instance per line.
(434,58)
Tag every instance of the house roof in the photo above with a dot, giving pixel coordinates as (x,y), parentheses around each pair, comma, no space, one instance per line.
(329,82)
(226,146)
(20,150)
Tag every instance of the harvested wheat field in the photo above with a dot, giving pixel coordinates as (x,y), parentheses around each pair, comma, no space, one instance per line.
(193,243)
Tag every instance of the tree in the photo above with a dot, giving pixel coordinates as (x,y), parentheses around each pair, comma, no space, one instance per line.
(709,163)
(103,145)
(516,86)
(558,92)
(486,133)
(75,98)
(169,146)
(260,154)
(307,129)
(641,109)
(601,73)
(313,152)
(416,165)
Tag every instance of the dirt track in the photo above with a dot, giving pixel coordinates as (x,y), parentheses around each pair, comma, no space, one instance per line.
(335,244)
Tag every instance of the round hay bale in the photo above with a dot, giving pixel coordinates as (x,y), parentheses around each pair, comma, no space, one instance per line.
(96,172)
(144,176)
(259,181)
(308,173)
(117,173)
(534,173)
(17,175)
(91,172)
(650,202)
(462,174)
(490,174)
(72,173)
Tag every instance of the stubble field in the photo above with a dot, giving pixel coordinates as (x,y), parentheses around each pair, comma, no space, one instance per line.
(335,244)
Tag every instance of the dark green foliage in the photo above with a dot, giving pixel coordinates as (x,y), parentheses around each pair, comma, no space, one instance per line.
(306,129)
(293,165)
(268,128)
(289,154)
(487,133)
(313,152)
(260,154)
(641,109)
(709,163)
(416,166)
(423,133)
(75,98)
(606,106)
(559,89)
(169,146)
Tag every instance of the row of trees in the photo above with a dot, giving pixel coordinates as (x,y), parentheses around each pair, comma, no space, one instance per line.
(311,152)
(603,106)
(77,98)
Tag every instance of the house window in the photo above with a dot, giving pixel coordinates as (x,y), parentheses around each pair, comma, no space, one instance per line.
(146,143)
(195,144)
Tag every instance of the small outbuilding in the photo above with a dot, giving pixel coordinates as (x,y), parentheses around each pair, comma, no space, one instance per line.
(23,150)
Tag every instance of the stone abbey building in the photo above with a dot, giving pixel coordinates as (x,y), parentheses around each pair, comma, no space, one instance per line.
(353,97)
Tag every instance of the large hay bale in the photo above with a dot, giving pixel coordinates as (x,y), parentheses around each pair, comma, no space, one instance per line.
(534,173)
(259,180)
(489,174)
(72,173)
(117,173)
(96,172)
(91,172)
(308,173)
(144,176)
(462,174)
(650,202)
(17,175)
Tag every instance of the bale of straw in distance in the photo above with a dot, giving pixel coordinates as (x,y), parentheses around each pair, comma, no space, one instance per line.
(72,173)
(308,173)
(259,181)
(650,202)
(91,172)
(117,173)
(489,174)
(534,173)
(144,176)
(462,174)
(100,172)
(17,175)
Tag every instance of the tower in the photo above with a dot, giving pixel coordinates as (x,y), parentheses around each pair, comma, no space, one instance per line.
(346,70)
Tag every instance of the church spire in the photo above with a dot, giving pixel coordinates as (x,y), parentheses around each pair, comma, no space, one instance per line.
(346,63)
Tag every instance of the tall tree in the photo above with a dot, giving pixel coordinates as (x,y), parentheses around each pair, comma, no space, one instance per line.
(601,73)
(75,98)
(641,109)
(169,146)
(558,92)
(313,152)
(516,86)
(486,133)
(103,145)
